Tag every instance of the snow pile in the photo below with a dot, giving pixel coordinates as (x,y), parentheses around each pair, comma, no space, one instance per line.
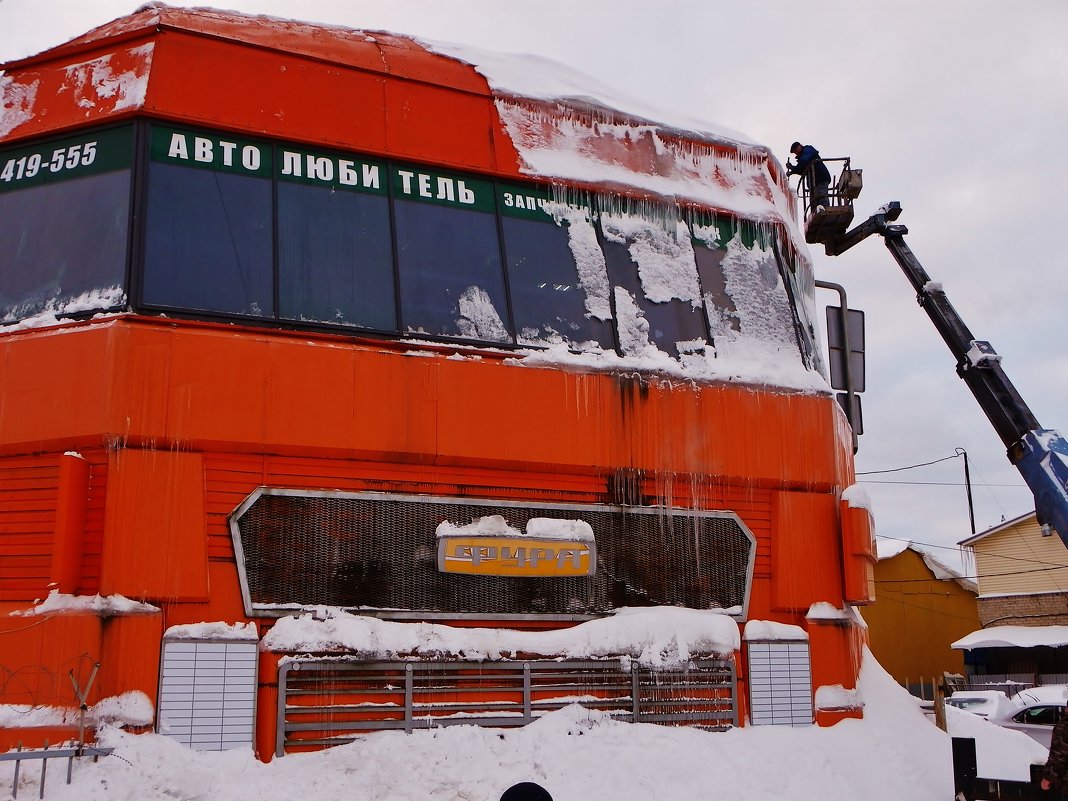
(836,697)
(104,605)
(656,637)
(213,631)
(769,630)
(132,708)
(895,753)
(542,528)
(999,753)
(52,310)
(857,497)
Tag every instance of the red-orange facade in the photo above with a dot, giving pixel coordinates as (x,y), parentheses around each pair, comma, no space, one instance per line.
(128,441)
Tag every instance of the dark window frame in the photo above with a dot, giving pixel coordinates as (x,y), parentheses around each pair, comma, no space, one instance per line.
(137,232)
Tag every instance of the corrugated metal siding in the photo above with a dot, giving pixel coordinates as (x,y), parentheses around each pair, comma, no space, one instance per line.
(94,521)
(29,489)
(1020,560)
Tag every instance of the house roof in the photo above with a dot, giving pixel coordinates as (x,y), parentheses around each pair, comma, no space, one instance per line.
(939,569)
(1014,637)
(995,529)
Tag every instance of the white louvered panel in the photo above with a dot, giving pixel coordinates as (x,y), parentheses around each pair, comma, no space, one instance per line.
(208,692)
(780,684)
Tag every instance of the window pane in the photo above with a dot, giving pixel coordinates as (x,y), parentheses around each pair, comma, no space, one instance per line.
(748,306)
(451,281)
(208,243)
(655,269)
(63,246)
(547,296)
(335,259)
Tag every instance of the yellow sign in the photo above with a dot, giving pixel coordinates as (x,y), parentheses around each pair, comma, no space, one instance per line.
(509,556)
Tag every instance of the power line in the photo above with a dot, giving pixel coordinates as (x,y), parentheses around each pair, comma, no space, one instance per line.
(907,467)
(940,483)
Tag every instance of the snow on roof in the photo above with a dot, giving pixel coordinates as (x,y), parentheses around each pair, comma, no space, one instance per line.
(105,605)
(999,527)
(655,636)
(534,76)
(889,547)
(1014,637)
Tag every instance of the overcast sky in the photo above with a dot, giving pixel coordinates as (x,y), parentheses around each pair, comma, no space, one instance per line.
(955,108)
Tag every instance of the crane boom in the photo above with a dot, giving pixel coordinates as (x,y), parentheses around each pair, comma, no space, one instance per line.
(1041,455)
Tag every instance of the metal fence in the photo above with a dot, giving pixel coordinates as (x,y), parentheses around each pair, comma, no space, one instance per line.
(323,702)
(70,753)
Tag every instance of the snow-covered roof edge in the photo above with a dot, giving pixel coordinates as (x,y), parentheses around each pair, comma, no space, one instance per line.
(995,529)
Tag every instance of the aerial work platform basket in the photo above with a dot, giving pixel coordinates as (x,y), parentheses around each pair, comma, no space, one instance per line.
(826,222)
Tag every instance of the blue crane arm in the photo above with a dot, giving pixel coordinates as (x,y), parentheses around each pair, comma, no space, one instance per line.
(1041,455)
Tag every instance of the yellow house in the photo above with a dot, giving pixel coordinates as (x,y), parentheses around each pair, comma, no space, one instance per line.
(921,607)
(1022,574)
(1023,604)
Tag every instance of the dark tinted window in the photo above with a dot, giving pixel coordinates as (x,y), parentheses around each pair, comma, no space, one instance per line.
(719,306)
(547,297)
(1039,715)
(670,322)
(451,282)
(63,245)
(208,242)
(335,261)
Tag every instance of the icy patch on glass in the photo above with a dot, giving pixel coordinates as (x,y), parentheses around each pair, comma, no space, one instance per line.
(762,305)
(589,260)
(478,319)
(665,260)
(632,327)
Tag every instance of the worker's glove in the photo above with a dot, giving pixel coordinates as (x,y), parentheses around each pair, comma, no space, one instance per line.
(790,169)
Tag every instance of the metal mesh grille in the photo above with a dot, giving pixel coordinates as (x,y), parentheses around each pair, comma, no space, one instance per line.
(378,551)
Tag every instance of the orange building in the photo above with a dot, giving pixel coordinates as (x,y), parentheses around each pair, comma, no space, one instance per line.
(301,320)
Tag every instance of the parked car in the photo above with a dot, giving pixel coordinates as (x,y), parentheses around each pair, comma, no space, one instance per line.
(991,704)
(1035,711)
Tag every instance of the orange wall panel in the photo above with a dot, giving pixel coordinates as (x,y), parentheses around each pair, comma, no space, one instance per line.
(221,388)
(202,81)
(806,555)
(38,652)
(155,544)
(71,510)
(438,125)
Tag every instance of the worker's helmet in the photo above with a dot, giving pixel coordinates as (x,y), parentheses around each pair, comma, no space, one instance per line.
(795,146)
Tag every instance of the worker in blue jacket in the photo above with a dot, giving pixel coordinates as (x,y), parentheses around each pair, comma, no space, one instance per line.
(811,167)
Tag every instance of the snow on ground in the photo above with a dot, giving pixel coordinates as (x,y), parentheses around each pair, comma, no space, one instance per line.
(895,753)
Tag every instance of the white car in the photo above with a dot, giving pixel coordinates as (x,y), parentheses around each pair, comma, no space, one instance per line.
(992,704)
(1035,711)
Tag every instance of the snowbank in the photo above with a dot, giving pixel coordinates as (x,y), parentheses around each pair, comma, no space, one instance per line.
(656,637)
(895,753)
